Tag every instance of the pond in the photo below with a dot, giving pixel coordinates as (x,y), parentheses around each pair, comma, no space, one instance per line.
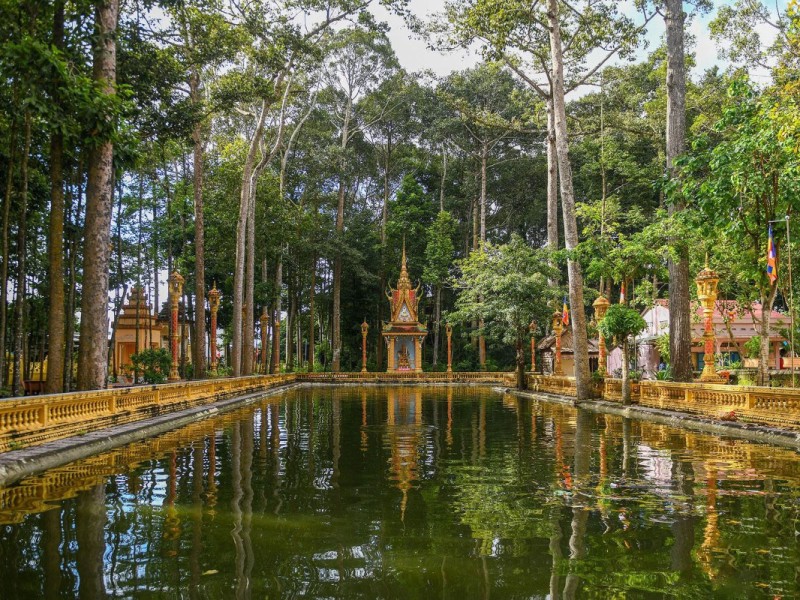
(409,492)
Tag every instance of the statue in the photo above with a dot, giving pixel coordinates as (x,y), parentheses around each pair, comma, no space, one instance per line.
(402,360)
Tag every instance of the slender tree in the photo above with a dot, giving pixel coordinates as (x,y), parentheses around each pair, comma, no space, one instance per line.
(92,359)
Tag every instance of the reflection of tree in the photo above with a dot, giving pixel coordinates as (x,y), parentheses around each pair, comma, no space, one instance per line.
(90,521)
(51,554)
(580,514)
(683,525)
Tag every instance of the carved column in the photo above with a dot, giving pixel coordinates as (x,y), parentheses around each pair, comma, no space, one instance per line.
(558,329)
(417,355)
(213,304)
(449,331)
(175,292)
(364,331)
(532,330)
(600,307)
(707,281)
(264,320)
(390,358)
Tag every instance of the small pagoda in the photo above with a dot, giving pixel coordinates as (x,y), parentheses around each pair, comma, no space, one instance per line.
(404,333)
(135,332)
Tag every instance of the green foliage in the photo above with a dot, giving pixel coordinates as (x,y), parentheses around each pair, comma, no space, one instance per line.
(440,249)
(621,323)
(507,287)
(662,345)
(752,347)
(153,364)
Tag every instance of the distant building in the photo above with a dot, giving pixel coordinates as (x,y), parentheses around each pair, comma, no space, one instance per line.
(733,326)
(547,347)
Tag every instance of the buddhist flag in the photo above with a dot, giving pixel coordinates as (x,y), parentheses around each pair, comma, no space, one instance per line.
(772,257)
(622,293)
(565,313)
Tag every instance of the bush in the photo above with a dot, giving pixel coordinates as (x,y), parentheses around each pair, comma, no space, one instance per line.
(664,375)
(152,365)
(752,347)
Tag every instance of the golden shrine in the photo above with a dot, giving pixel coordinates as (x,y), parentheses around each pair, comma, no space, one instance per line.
(146,330)
(404,334)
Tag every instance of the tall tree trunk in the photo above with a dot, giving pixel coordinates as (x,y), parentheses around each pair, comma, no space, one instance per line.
(436,325)
(118,302)
(552,183)
(382,274)
(276,321)
(444,178)
(579,336)
(241,238)
(7,199)
(199,345)
(17,388)
(626,378)
(291,322)
(55,241)
(484,161)
(521,363)
(337,261)
(311,314)
(73,252)
(94,305)
(680,326)
(248,334)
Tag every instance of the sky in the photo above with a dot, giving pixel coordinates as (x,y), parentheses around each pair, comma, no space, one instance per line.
(414,55)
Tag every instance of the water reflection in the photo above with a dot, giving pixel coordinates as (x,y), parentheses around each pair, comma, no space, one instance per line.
(396,492)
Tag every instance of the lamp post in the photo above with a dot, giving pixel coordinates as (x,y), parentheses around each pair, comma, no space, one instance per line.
(558,328)
(707,281)
(175,292)
(532,330)
(600,308)
(449,331)
(213,304)
(264,333)
(364,331)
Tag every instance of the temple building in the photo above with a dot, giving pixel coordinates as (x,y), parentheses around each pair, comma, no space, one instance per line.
(150,330)
(404,333)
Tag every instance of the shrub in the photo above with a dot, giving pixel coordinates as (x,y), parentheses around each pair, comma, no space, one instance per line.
(152,364)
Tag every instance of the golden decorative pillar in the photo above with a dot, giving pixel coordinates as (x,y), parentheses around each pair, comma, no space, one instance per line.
(707,281)
(364,331)
(213,304)
(390,366)
(600,308)
(175,292)
(264,320)
(449,330)
(417,355)
(532,330)
(558,329)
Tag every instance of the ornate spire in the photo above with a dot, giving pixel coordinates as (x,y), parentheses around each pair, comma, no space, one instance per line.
(404,283)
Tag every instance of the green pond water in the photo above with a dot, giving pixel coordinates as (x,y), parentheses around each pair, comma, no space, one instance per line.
(409,492)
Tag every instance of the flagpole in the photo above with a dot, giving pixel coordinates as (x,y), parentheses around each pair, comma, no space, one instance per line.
(791,295)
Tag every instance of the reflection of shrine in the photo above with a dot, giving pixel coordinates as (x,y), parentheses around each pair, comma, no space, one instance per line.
(404,421)
(404,334)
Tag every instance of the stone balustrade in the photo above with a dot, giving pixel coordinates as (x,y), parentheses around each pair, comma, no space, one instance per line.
(38,419)
(35,420)
(410,376)
(779,407)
